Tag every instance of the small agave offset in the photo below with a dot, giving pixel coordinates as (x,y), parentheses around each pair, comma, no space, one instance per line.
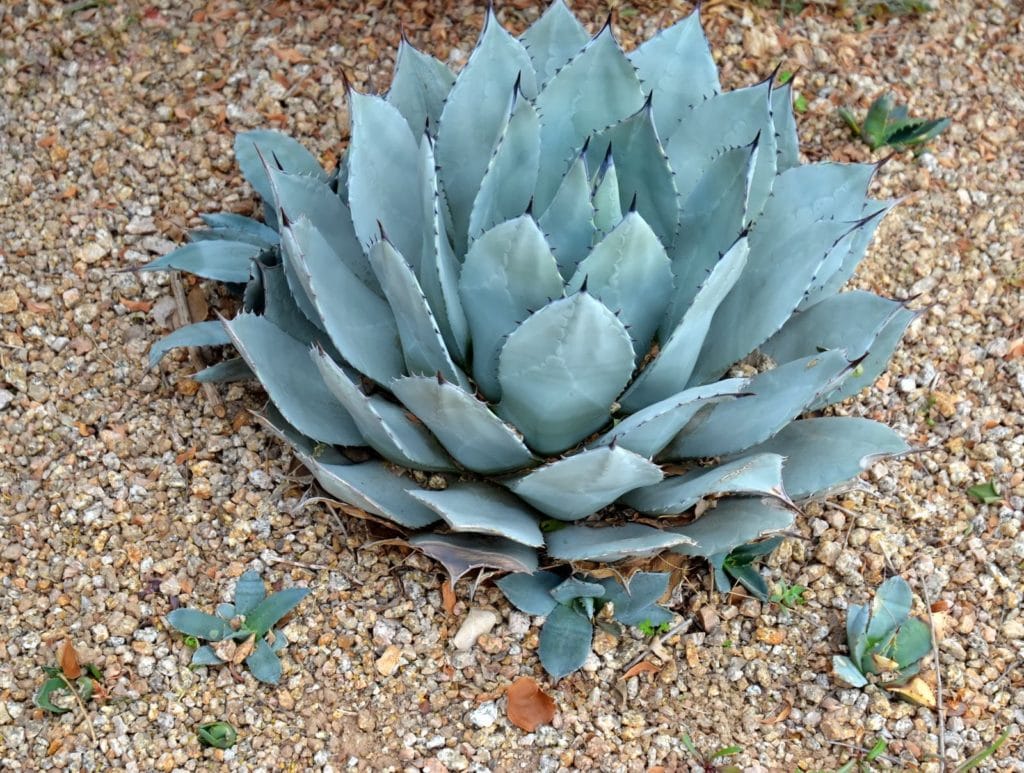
(582,285)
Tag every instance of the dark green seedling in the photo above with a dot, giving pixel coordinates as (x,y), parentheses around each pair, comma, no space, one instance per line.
(740,565)
(219,735)
(789,596)
(887,124)
(570,605)
(243,631)
(710,763)
(883,638)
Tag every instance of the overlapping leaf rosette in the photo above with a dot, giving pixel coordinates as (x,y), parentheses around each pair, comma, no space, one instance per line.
(582,289)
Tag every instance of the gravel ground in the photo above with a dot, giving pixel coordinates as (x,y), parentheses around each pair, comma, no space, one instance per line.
(124,492)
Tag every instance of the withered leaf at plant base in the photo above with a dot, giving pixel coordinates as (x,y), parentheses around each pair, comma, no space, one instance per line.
(225,650)
(244,650)
(448,597)
(643,667)
(68,659)
(528,706)
(918,691)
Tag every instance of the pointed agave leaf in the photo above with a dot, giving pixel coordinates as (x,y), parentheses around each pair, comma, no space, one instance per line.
(889,609)
(384,190)
(249,592)
(283,366)
(846,671)
(611,543)
(465,426)
(856,627)
(264,664)
(482,508)
(508,273)
(530,593)
(565,641)
(733,522)
(508,183)
(568,222)
(359,322)
(384,425)
(231,235)
(461,553)
(192,622)
(759,474)
(210,333)
(474,115)
(419,88)
(234,222)
(677,358)
(422,342)
(582,484)
(265,615)
(220,260)
(561,370)
(284,151)
(205,656)
(573,588)
(912,642)
(779,396)
(785,127)
(677,66)
(279,306)
(606,198)
(234,369)
(601,85)
(637,602)
(630,273)
(553,40)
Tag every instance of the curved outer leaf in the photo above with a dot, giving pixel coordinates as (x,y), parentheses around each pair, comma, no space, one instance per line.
(220,260)
(507,187)
(384,191)
(582,543)
(210,333)
(508,273)
(473,117)
(282,150)
(561,370)
(889,610)
(638,601)
(265,615)
(912,642)
(711,221)
(553,40)
(384,425)
(648,431)
(785,127)
(419,88)
(465,426)
(596,88)
(847,671)
(439,268)
(573,588)
(422,343)
(565,641)
(733,522)
(249,592)
(283,366)
(779,396)
(264,663)
(630,273)
(644,174)
(677,66)
(358,321)
(234,369)
(192,622)
(606,200)
(568,222)
(677,358)
(582,484)
(530,593)
(205,656)
(234,222)
(461,553)
(481,508)
(759,474)
(278,305)
(231,235)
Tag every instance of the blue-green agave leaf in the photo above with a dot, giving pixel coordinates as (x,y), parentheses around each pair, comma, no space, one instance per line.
(252,147)
(638,601)
(419,88)
(473,117)
(574,588)
(264,664)
(234,222)
(733,522)
(752,474)
(482,508)
(234,369)
(601,85)
(677,67)
(230,235)
(913,641)
(581,484)
(210,333)
(553,40)
(461,553)
(225,610)
(889,609)
(508,273)
(561,370)
(220,260)
(279,306)
(630,273)
(192,622)
(856,627)
(611,543)
(530,593)
(778,396)
(565,641)
(606,197)
(267,612)
(359,322)
(205,656)
(465,426)
(568,222)
(280,640)
(846,671)
(784,119)
(283,366)
(249,592)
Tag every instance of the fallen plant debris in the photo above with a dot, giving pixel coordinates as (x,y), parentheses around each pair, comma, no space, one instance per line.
(528,707)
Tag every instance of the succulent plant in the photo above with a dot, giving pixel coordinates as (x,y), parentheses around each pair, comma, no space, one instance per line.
(243,631)
(569,284)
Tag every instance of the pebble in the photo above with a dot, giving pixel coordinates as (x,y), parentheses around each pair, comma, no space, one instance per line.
(485,715)
(477,623)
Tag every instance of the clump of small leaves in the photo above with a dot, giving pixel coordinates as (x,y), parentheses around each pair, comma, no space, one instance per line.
(649,629)
(883,638)
(987,493)
(709,762)
(571,604)
(789,596)
(740,564)
(218,735)
(889,124)
(243,631)
(69,677)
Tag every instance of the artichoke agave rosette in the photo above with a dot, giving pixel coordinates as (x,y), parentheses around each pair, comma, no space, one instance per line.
(536,279)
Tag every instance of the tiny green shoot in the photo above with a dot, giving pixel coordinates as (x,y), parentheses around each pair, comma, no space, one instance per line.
(218,735)
(789,596)
(986,493)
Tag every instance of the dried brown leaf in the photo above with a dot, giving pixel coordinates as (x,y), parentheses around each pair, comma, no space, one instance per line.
(448,597)
(244,650)
(643,667)
(918,691)
(528,706)
(68,660)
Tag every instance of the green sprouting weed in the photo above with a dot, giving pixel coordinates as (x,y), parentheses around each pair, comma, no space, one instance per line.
(986,493)
(789,596)
(984,754)
(647,628)
(219,735)
(709,763)
(888,124)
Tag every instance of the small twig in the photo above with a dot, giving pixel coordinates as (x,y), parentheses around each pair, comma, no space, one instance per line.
(940,708)
(658,642)
(185,318)
(81,705)
(862,750)
(273,558)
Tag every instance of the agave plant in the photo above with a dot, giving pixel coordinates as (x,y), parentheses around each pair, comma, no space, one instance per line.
(570,284)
